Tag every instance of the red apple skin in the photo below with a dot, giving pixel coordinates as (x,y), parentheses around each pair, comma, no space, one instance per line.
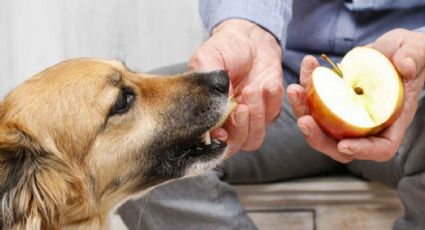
(338,128)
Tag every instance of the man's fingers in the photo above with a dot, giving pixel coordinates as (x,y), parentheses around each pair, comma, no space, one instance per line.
(220,134)
(237,128)
(308,64)
(388,43)
(273,93)
(378,148)
(409,59)
(406,52)
(253,96)
(297,99)
(318,140)
(370,148)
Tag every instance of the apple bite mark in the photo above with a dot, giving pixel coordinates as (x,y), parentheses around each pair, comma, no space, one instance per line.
(361,96)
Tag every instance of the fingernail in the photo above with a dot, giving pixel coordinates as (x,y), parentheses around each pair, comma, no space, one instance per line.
(291,100)
(294,100)
(305,131)
(219,133)
(346,150)
(240,117)
(410,64)
(308,68)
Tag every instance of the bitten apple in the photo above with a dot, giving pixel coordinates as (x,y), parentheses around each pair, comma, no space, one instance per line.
(361,95)
(231,105)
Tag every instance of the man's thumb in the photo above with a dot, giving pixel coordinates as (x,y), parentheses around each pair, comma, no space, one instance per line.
(206,59)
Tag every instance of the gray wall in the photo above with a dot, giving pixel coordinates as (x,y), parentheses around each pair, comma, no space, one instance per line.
(146,34)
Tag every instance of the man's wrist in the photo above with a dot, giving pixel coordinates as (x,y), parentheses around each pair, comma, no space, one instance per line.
(245,27)
(235,24)
(273,15)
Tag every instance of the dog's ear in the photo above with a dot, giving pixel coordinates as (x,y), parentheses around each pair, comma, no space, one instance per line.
(10,137)
(27,191)
(14,141)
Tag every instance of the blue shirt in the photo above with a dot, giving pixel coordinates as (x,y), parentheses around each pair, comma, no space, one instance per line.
(318,26)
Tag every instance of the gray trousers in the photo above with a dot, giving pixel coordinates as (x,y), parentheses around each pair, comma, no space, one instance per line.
(209,201)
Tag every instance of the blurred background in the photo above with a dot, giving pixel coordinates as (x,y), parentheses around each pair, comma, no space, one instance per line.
(148,34)
(145,34)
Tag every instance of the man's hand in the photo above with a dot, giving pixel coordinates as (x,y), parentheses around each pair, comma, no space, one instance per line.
(406,50)
(252,58)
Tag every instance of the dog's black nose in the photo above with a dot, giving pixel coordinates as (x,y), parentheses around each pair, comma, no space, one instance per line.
(217,81)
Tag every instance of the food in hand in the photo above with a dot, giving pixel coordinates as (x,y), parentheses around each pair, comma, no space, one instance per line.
(360,96)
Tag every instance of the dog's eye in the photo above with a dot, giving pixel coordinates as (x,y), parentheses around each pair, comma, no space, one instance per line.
(124,101)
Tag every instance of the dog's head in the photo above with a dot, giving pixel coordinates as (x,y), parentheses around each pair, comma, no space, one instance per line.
(81,136)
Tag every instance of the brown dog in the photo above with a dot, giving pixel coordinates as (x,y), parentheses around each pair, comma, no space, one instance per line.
(85,135)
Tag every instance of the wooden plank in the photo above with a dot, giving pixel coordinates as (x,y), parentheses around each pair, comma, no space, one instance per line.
(330,191)
(354,217)
(290,220)
(337,203)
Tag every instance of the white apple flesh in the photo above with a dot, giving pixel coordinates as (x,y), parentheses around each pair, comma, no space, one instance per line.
(363,101)
(231,105)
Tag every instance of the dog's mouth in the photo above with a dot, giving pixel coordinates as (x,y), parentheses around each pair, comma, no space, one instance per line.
(197,149)
(203,144)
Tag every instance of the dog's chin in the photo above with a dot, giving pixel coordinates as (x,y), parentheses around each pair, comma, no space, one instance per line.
(201,167)
(202,157)
(199,155)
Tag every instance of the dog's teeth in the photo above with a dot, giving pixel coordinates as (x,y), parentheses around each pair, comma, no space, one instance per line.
(207,138)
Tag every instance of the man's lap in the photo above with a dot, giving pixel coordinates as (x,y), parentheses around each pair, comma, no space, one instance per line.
(208,201)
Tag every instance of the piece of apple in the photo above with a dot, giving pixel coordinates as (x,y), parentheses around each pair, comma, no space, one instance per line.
(231,105)
(361,96)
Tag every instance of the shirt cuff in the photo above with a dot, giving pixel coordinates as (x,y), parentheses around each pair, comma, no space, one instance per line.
(272,15)
(362,5)
(421,29)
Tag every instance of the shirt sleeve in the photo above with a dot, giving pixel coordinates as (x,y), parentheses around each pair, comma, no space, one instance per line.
(421,29)
(272,15)
(362,5)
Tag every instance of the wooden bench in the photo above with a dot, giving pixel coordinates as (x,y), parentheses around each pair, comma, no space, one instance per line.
(321,203)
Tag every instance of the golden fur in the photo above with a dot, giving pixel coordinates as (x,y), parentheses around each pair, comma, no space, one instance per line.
(67,160)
